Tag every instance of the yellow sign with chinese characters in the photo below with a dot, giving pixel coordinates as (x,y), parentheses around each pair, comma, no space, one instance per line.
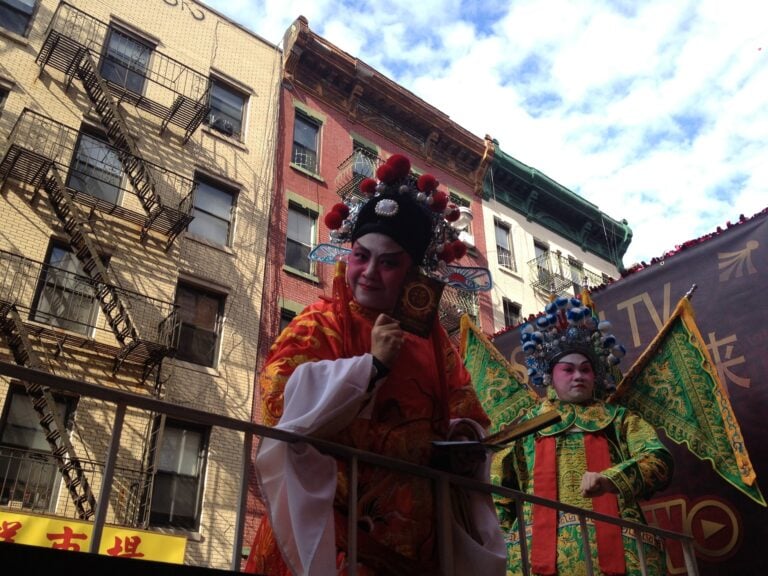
(75,535)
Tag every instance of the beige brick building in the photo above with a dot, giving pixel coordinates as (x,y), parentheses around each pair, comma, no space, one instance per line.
(136,163)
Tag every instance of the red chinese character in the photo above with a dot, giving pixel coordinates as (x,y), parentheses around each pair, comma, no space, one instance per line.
(131,545)
(66,539)
(8,530)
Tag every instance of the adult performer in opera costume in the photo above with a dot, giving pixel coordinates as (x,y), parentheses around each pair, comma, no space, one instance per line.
(600,456)
(344,370)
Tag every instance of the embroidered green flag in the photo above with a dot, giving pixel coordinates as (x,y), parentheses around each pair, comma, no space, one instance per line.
(674,386)
(501,392)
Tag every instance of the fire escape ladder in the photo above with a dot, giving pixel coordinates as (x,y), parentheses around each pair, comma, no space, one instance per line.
(117,314)
(44,405)
(156,426)
(119,136)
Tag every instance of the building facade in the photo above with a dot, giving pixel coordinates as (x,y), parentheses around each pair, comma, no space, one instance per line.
(136,164)
(339,120)
(544,240)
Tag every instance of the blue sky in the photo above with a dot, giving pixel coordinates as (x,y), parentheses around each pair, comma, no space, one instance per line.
(655,111)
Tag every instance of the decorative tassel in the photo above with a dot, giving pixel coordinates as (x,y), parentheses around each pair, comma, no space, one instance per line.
(341,298)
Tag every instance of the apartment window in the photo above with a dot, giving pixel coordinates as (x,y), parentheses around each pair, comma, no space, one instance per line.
(285,318)
(511,312)
(3,97)
(65,297)
(96,168)
(177,488)
(504,246)
(302,224)
(577,275)
(213,210)
(227,109)
(16,15)
(28,472)
(201,313)
(306,132)
(543,273)
(126,61)
(364,164)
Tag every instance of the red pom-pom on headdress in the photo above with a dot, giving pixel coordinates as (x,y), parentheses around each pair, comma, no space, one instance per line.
(333,220)
(386,173)
(341,209)
(400,165)
(368,186)
(427,183)
(446,254)
(459,249)
(438,201)
(452,213)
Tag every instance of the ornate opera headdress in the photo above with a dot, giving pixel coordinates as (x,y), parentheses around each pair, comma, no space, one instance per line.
(568,326)
(412,211)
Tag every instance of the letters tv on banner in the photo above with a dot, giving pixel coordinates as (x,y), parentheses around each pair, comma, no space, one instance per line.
(731,272)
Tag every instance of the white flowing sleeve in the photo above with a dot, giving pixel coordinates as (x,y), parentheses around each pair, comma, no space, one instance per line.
(489,556)
(298,482)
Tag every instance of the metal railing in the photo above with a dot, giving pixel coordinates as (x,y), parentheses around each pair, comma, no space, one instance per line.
(182,94)
(360,165)
(551,272)
(441,481)
(29,482)
(454,304)
(505,258)
(66,300)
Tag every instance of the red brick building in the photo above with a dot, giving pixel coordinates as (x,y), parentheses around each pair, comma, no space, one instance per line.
(339,119)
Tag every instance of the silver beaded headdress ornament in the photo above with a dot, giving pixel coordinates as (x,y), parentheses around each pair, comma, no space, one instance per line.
(398,204)
(568,326)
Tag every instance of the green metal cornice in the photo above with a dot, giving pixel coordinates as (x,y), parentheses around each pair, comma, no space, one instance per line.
(553,206)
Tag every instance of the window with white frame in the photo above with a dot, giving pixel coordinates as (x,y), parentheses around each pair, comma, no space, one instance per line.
(16,15)
(306,140)
(65,296)
(505,255)
(577,275)
(227,109)
(201,313)
(177,487)
(126,60)
(301,233)
(511,312)
(214,206)
(96,168)
(28,471)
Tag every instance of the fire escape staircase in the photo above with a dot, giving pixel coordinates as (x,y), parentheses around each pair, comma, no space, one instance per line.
(117,314)
(44,405)
(119,136)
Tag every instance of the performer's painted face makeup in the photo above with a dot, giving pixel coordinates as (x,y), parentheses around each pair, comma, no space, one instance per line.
(376,269)
(573,378)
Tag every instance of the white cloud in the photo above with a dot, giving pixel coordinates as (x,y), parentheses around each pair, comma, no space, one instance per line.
(654,111)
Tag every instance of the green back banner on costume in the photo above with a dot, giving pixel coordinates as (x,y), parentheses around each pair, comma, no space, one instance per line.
(730,269)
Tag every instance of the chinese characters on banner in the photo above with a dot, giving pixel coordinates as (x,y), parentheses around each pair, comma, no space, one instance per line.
(74,535)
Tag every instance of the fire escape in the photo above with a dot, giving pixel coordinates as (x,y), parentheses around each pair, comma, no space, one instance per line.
(39,155)
(553,273)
